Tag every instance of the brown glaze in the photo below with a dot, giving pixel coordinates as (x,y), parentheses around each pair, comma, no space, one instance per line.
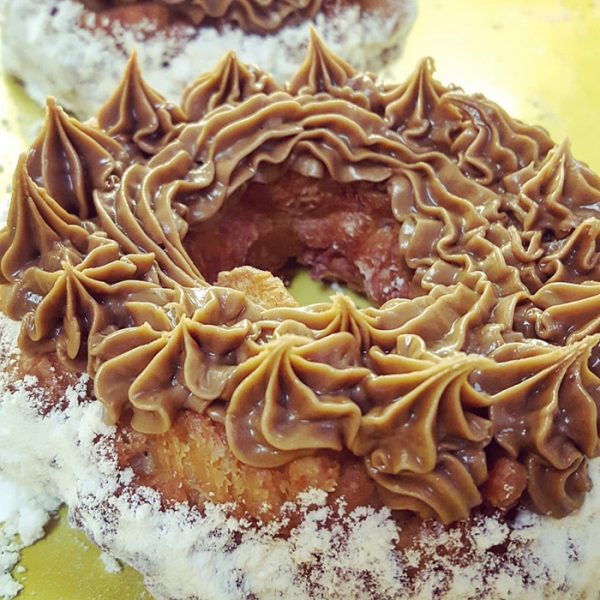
(480,233)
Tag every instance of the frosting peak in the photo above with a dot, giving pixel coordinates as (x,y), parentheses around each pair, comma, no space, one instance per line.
(70,160)
(410,106)
(138,112)
(321,70)
(230,82)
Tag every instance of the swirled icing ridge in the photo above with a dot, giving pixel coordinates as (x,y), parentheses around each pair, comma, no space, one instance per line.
(251,15)
(475,234)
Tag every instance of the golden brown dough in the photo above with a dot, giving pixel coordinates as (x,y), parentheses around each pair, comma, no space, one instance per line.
(260,286)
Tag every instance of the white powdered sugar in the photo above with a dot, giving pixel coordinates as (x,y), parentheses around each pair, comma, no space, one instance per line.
(68,456)
(23,514)
(45,45)
(111,564)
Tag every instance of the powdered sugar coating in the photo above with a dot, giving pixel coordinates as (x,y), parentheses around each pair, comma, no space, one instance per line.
(22,519)
(68,456)
(82,68)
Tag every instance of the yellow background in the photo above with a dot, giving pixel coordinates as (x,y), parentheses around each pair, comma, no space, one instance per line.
(540,59)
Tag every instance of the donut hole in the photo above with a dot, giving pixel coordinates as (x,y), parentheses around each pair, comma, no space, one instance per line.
(342,232)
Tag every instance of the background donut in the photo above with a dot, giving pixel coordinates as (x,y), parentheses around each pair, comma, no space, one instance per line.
(76,50)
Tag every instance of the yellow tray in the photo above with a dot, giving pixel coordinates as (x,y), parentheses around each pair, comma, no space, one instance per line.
(539,59)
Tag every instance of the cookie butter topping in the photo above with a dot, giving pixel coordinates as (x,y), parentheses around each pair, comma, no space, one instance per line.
(493,351)
(259,16)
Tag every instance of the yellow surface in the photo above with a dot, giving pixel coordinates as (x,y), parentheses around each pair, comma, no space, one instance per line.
(539,59)
(65,565)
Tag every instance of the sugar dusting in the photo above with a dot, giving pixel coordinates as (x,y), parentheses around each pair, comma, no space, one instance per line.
(82,68)
(22,518)
(68,456)
(111,564)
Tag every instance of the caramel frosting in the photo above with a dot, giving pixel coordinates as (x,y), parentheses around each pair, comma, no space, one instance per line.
(231,82)
(138,113)
(258,16)
(493,351)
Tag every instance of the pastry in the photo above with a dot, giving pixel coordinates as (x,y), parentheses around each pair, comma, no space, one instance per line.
(76,50)
(439,444)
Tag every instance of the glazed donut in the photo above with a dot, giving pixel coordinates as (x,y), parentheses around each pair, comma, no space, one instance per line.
(437,444)
(76,50)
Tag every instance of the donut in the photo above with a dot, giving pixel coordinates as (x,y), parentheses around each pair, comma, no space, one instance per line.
(159,379)
(76,50)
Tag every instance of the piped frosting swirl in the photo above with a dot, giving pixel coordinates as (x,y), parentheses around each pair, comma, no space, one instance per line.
(258,16)
(491,351)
